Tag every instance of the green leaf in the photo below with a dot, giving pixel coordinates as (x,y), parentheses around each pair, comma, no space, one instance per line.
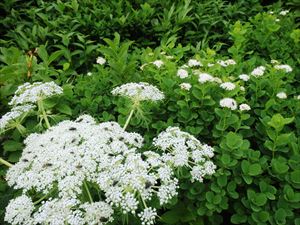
(280,216)
(283,139)
(64,109)
(255,169)
(238,218)
(278,122)
(233,140)
(12,146)
(262,216)
(279,165)
(295,176)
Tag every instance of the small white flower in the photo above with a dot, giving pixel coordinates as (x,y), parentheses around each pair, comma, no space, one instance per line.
(158,63)
(182,73)
(258,71)
(148,216)
(298,97)
(228,86)
(185,86)
(271,12)
(205,77)
(228,103)
(242,88)
(244,77)
(284,12)
(286,68)
(194,62)
(89,74)
(277,20)
(226,62)
(139,91)
(100,60)
(244,107)
(281,95)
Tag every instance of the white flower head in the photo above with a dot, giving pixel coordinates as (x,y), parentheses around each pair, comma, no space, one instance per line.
(32,93)
(89,74)
(76,153)
(97,213)
(100,60)
(205,77)
(182,73)
(228,86)
(228,103)
(284,12)
(185,86)
(158,63)
(244,107)
(226,62)
(139,91)
(194,62)
(258,71)
(182,148)
(298,97)
(16,113)
(242,88)
(244,77)
(281,95)
(285,68)
(148,216)
(19,210)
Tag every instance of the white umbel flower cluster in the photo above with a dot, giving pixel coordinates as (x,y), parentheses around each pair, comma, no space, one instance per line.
(182,73)
(228,103)
(285,68)
(185,86)
(73,154)
(194,62)
(284,12)
(228,86)
(183,150)
(139,92)
(32,93)
(158,63)
(226,62)
(258,71)
(244,107)
(148,216)
(244,77)
(281,95)
(15,114)
(100,60)
(205,77)
(19,211)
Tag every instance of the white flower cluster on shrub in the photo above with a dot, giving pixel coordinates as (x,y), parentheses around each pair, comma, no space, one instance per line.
(73,154)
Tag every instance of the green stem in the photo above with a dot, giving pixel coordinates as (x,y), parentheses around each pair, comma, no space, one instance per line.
(88,192)
(4,162)
(42,110)
(21,129)
(128,119)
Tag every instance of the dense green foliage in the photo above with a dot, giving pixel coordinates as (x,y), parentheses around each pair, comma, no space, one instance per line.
(257,152)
